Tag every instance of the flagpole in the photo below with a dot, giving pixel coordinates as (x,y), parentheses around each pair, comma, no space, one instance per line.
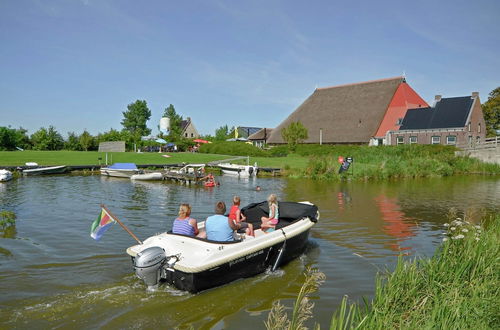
(121,224)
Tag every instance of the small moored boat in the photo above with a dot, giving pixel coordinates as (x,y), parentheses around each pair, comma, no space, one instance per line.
(195,264)
(153,176)
(243,171)
(46,170)
(121,170)
(5,175)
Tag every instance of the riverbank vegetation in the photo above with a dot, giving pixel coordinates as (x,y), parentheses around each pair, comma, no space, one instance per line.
(458,288)
(309,161)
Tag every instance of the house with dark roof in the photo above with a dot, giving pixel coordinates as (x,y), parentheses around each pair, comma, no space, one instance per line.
(243,132)
(359,113)
(451,121)
(188,130)
(259,139)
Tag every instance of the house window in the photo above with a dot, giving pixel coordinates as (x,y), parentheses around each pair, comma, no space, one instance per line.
(479,127)
(451,139)
(192,134)
(399,121)
(413,139)
(400,140)
(470,140)
(185,134)
(468,126)
(436,140)
(478,139)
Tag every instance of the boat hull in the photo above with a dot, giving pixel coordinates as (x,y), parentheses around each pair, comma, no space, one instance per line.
(147,176)
(118,173)
(46,170)
(243,267)
(238,170)
(5,175)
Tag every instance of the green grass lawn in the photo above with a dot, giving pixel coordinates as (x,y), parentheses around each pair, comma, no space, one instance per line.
(19,158)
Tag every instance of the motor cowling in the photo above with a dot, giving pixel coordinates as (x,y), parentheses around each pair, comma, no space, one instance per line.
(148,265)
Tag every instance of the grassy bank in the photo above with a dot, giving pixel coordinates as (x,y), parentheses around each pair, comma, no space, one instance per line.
(458,288)
(310,161)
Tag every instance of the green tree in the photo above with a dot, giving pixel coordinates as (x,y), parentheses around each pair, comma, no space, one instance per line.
(7,138)
(175,123)
(22,138)
(86,140)
(135,119)
(294,134)
(47,139)
(222,133)
(111,135)
(72,143)
(491,111)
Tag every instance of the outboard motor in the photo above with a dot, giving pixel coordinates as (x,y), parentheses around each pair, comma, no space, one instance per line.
(250,170)
(148,265)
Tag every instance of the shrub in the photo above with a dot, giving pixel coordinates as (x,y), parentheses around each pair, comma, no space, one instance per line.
(236,148)
(7,219)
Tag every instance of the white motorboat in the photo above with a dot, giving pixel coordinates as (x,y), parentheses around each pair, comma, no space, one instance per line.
(243,171)
(46,170)
(121,170)
(194,264)
(5,175)
(153,176)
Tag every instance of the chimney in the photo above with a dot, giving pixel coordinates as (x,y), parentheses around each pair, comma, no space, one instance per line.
(475,95)
(437,98)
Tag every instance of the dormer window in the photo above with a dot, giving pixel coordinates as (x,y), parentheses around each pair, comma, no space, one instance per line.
(399,121)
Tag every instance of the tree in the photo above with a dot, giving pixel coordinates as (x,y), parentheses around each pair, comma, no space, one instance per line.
(222,133)
(294,134)
(86,140)
(175,123)
(47,139)
(491,111)
(11,138)
(72,143)
(135,119)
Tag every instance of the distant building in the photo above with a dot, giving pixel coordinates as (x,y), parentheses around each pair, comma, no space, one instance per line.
(188,129)
(359,113)
(243,132)
(451,121)
(259,139)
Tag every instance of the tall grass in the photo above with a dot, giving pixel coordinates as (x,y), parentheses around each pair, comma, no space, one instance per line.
(458,288)
(386,162)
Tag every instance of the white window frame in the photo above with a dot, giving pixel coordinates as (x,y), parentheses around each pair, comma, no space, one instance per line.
(448,140)
(438,139)
(411,138)
(400,140)
(479,127)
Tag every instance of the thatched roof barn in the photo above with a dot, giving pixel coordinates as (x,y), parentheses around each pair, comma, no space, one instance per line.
(353,113)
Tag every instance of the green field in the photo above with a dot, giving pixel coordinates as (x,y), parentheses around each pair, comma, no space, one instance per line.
(19,158)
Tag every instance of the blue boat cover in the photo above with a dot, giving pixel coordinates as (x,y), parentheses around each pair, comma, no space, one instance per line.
(123,166)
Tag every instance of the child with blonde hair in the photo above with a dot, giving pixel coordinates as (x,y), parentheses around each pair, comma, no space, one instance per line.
(273,219)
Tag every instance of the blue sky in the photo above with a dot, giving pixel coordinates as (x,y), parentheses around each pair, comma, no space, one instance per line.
(77,64)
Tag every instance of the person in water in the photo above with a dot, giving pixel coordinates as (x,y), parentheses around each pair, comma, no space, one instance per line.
(219,227)
(238,217)
(273,219)
(184,224)
(209,179)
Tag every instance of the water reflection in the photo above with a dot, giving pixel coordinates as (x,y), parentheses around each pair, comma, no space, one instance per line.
(53,271)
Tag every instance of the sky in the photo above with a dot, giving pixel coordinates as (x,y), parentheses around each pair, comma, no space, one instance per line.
(77,64)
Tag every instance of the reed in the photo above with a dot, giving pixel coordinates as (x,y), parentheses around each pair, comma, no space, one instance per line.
(458,288)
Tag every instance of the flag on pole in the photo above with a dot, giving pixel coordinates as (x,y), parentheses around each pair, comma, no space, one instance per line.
(101,224)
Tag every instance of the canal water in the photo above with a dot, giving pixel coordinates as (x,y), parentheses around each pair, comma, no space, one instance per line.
(53,275)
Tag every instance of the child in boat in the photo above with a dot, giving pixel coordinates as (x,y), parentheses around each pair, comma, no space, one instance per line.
(273,219)
(184,224)
(238,217)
